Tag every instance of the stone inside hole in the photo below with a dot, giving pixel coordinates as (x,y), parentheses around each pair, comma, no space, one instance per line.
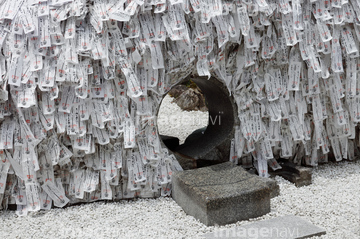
(183,115)
(208,143)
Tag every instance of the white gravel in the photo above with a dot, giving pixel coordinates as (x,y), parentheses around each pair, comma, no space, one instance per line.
(331,202)
(173,121)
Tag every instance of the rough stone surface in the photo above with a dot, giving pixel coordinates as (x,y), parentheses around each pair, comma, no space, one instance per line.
(191,99)
(274,187)
(221,194)
(177,90)
(299,175)
(185,161)
(289,227)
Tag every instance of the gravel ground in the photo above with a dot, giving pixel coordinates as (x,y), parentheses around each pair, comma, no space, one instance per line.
(173,121)
(331,202)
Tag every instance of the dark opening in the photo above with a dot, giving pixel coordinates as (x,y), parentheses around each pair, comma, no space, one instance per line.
(209,145)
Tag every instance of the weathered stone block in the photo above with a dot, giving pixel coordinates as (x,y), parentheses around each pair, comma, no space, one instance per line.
(299,175)
(221,194)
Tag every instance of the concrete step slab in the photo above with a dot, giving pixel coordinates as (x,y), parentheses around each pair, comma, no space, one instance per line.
(289,227)
(222,193)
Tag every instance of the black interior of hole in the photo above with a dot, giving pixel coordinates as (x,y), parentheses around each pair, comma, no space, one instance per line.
(220,123)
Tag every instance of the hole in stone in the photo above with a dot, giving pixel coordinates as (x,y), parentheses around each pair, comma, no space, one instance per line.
(202,146)
(183,115)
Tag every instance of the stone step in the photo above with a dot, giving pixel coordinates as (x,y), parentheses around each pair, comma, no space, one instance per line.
(299,175)
(222,193)
(287,227)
